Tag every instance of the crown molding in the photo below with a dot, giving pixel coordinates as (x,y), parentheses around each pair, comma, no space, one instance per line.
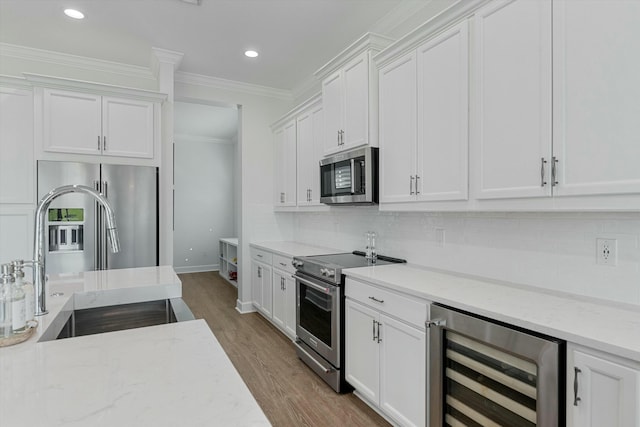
(91,87)
(290,115)
(458,11)
(164,56)
(15,82)
(187,138)
(75,61)
(232,85)
(369,41)
(309,85)
(398,15)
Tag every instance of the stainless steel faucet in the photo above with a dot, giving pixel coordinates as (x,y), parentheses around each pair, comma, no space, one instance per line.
(38,247)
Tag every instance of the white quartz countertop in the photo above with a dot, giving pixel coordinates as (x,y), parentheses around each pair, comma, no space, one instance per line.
(288,248)
(166,375)
(605,326)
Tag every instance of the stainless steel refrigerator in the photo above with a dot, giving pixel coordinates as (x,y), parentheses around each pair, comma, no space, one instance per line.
(76,237)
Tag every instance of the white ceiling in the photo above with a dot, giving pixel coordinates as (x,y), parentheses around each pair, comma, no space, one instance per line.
(294,37)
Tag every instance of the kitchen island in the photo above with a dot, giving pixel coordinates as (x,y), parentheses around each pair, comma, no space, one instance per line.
(166,375)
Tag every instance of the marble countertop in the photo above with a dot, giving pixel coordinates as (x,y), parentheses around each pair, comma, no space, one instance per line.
(289,249)
(166,375)
(605,326)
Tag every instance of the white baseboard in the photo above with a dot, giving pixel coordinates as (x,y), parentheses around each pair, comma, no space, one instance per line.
(244,307)
(197,268)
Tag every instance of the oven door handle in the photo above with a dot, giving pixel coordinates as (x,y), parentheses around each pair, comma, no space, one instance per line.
(325,289)
(312,358)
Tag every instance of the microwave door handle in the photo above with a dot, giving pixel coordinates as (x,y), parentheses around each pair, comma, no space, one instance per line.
(353,176)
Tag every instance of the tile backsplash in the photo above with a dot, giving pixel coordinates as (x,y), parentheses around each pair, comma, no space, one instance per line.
(547,250)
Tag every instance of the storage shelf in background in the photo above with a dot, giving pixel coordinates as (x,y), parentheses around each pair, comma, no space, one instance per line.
(229,259)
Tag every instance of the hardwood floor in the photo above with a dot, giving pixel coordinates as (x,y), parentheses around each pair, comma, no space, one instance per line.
(289,393)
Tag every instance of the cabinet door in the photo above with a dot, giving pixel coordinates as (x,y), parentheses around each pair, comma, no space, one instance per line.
(596,91)
(290,306)
(256,284)
(512,108)
(72,122)
(267,291)
(443,102)
(127,128)
(356,102)
(362,352)
(279,299)
(332,104)
(317,154)
(285,164)
(402,372)
(398,130)
(609,392)
(305,157)
(16,145)
(278,172)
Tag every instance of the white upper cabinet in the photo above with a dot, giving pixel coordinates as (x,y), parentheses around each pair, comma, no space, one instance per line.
(349,96)
(398,130)
(511,131)
(309,148)
(443,104)
(285,165)
(424,121)
(596,91)
(16,146)
(83,123)
(127,127)
(72,122)
(345,97)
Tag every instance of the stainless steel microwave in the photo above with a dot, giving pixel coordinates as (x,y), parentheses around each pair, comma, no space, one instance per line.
(350,177)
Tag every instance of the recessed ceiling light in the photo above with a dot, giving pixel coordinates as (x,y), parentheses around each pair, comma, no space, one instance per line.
(75,14)
(251,53)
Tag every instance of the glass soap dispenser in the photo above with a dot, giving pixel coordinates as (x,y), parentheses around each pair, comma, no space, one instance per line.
(27,287)
(6,315)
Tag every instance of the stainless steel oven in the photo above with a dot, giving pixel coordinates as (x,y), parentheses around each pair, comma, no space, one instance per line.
(350,177)
(482,372)
(318,317)
(320,311)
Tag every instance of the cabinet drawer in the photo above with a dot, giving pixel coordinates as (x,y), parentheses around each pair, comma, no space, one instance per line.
(283,263)
(409,309)
(261,255)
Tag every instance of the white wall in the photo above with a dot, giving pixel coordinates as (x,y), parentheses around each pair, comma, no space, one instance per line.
(205,207)
(554,251)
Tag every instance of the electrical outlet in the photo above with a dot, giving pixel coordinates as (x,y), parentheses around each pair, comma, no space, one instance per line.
(607,252)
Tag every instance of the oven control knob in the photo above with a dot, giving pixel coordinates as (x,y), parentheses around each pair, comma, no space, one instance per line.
(331,273)
(323,271)
(297,263)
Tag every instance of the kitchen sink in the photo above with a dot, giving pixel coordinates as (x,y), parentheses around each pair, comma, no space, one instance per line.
(112,318)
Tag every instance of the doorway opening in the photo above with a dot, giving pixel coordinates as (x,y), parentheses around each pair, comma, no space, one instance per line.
(206,183)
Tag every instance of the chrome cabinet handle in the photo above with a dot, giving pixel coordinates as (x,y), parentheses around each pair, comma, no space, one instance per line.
(542,163)
(411,178)
(98,142)
(259,272)
(576,399)
(104,143)
(417,178)
(381,301)
(283,264)
(554,171)
(379,340)
(373,329)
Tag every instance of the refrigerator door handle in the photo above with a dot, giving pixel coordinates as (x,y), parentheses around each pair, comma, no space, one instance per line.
(96,231)
(104,265)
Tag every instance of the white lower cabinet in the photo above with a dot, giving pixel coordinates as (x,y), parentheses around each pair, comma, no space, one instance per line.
(284,301)
(602,389)
(273,289)
(385,354)
(261,282)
